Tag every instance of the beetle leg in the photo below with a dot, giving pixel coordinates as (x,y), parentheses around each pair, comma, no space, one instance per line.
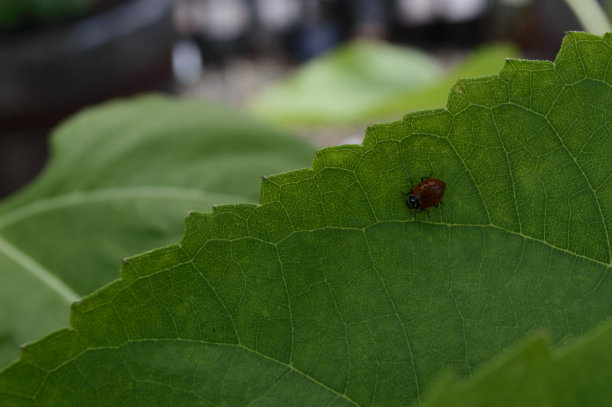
(427,177)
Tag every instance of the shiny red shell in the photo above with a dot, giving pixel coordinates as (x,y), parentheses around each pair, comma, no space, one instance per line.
(427,194)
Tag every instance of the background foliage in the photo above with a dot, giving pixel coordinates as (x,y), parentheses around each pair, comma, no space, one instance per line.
(365,81)
(121,179)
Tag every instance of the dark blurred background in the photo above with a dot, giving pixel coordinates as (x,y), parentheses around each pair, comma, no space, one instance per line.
(58,56)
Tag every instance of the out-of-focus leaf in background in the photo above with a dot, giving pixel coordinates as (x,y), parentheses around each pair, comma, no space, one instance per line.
(351,79)
(120,180)
(365,81)
(485,60)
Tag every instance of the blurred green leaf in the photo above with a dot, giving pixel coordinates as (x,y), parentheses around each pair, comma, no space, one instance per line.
(121,178)
(330,292)
(591,15)
(365,81)
(481,61)
(342,84)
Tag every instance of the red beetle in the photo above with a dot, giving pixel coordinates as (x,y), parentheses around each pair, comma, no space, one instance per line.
(427,194)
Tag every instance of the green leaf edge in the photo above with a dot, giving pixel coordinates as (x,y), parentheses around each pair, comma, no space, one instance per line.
(68,343)
(577,374)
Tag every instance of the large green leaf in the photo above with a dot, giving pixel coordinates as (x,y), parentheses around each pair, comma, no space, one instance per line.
(331,292)
(121,179)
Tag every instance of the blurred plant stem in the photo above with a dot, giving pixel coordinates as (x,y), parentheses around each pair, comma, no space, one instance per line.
(591,16)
